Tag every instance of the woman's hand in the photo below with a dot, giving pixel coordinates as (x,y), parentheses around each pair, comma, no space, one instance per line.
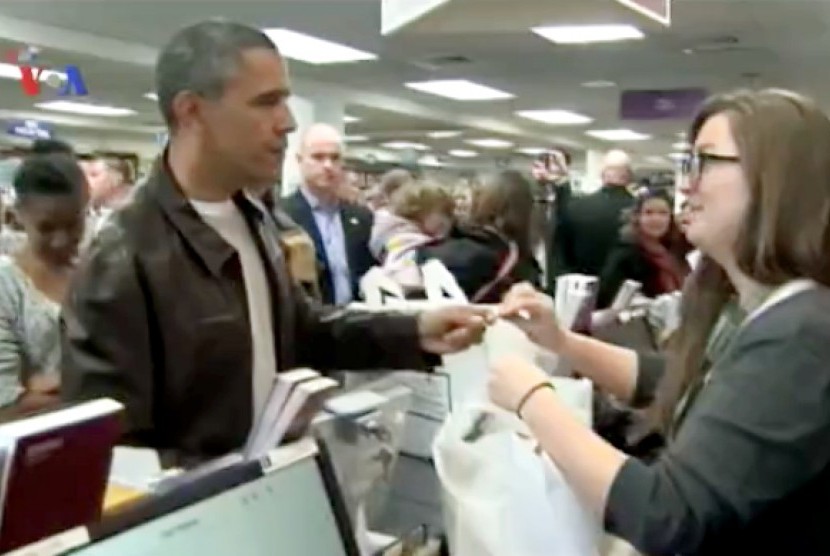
(42,392)
(511,378)
(534,313)
(44,383)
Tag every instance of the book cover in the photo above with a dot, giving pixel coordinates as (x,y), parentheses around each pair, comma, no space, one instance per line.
(56,471)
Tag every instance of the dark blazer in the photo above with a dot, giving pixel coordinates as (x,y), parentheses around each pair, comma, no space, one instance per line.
(588,230)
(157,318)
(357,229)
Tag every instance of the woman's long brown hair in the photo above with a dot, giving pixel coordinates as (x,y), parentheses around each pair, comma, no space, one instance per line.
(784,144)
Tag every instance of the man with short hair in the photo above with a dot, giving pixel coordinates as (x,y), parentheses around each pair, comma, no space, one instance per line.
(184,310)
(340,229)
(590,225)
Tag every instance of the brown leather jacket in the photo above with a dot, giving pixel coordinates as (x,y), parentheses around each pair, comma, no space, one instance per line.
(157,319)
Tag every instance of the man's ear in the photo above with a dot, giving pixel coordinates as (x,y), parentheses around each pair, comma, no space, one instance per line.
(187,109)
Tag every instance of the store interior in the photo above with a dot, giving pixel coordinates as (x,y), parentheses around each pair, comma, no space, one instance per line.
(461,94)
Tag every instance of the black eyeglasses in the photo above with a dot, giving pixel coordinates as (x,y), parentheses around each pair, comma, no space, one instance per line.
(695,163)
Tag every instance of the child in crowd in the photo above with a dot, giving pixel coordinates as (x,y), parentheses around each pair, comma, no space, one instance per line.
(418,214)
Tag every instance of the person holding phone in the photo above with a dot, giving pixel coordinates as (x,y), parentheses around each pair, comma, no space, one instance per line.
(551,171)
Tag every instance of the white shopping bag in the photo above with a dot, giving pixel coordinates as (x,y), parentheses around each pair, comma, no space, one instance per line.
(502,496)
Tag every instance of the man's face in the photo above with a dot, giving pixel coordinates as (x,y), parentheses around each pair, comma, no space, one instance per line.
(246,128)
(321,162)
(617,175)
(99,180)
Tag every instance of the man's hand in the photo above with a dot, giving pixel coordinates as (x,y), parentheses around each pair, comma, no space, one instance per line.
(452,329)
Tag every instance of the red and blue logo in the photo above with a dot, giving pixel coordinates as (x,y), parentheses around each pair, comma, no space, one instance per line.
(67,81)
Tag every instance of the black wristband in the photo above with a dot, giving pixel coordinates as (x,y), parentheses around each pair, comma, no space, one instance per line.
(529,394)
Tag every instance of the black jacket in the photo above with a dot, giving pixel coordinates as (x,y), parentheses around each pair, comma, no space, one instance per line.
(626,262)
(157,318)
(474,256)
(357,224)
(589,229)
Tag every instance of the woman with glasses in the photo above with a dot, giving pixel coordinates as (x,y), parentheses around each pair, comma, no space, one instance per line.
(747,468)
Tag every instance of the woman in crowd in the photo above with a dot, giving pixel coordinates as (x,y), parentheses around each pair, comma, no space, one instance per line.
(747,469)
(494,249)
(51,198)
(650,251)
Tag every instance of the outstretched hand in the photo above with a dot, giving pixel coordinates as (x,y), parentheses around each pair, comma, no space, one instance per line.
(452,329)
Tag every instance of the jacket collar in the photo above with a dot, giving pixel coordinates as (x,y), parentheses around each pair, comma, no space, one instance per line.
(205,241)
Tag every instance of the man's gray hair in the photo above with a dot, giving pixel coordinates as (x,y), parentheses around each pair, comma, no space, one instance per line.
(201,58)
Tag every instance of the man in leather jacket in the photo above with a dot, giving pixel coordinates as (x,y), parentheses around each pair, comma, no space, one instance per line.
(183,309)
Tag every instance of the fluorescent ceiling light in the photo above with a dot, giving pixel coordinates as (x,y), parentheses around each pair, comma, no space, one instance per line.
(430,160)
(84,108)
(655,160)
(491,143)
(585,34)
(459,89)
(11,71)
(151,96)
(404,145)
(463,153)
(443,134)
(554,117)
(618,135)
(532,151)
(599,84)
(678,156)
(350,119)
(682,146)
(312,50)
(356,139)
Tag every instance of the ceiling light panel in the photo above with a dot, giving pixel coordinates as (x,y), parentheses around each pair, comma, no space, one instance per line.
(463,153)
(617,135)
(356,139)
(554,117)
(86,109)
(406,145)
(151,96)
(491,143)
(532,151)
(587,34)
(459,89)
(313,50)
(350,119)
(599,84)
(443,134)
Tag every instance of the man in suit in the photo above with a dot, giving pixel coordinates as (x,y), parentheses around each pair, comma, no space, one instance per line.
(589,226)
(340,229)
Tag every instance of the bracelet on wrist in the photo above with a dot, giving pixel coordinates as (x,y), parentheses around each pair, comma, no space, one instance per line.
(530,393)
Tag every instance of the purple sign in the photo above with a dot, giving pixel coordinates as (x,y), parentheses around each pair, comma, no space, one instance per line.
(661,105)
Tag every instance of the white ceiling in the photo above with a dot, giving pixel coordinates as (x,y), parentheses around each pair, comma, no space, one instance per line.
(779,42)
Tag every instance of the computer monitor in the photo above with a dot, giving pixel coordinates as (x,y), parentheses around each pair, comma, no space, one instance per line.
(288,506)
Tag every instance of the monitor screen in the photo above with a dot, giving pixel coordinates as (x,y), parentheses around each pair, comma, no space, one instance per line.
(286,513)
